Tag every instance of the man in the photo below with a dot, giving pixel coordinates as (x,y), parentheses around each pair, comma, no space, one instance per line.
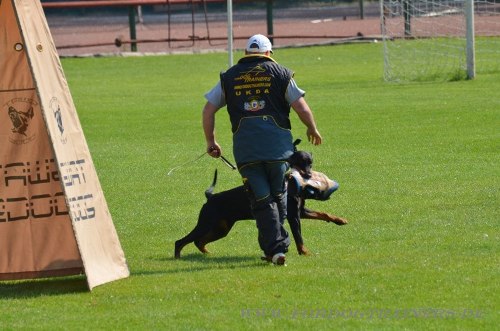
(258,93)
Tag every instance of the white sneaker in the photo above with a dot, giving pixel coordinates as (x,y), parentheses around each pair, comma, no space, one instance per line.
(279,259)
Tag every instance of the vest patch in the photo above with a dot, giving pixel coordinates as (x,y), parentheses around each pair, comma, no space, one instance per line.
(255,105)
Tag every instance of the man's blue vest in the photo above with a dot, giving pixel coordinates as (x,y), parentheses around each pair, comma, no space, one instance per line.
(255,90)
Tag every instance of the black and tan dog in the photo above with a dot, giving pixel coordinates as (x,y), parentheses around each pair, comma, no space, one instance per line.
(222,210)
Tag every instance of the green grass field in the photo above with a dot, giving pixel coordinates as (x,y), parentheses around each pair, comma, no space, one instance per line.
(418,167)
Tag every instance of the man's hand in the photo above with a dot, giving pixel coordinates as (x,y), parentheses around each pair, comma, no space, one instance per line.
(314,137)
(214,150)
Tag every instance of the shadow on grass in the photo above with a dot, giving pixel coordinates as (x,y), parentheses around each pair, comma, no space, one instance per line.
(196,262)
(20,289)
(210,259)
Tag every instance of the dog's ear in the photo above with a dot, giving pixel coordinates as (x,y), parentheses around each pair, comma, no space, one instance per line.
(295,143)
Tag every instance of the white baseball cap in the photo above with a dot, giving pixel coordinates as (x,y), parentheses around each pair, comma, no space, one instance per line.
(259,44)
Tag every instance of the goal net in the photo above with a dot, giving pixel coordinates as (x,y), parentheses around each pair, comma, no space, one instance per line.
(427,39)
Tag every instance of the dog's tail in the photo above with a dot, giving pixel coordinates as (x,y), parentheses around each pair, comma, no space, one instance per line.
(210,191)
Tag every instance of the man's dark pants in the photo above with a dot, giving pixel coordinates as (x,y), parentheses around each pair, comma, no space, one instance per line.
(266,184)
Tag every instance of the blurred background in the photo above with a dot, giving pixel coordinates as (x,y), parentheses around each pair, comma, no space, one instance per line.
(79,28)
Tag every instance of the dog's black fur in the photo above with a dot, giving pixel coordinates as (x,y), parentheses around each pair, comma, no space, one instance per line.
(222,210)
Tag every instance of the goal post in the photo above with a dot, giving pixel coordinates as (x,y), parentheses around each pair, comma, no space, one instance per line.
(440,39)
(470,40)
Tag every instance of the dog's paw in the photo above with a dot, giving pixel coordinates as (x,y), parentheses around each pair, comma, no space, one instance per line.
(302,250)
(177,250)
(339,221)
(201,247)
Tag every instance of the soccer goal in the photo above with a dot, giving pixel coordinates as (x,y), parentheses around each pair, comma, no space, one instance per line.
(440,39)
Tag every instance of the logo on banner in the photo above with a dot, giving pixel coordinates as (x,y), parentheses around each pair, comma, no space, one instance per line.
(56,110)
(20,112)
